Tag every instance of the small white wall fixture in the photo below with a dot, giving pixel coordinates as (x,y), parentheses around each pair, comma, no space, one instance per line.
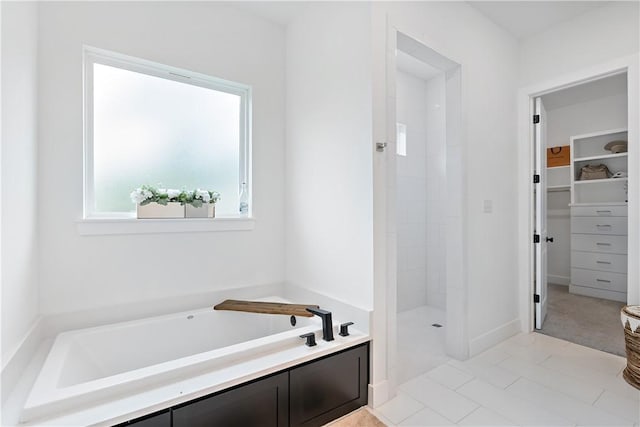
(457,344)
(629,65)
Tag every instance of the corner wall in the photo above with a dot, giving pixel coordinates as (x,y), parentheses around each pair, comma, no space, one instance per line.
(90,272)
(20,193)
(329,194)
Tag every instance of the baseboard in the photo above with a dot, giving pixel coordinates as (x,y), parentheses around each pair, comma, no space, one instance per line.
(16,363)
(378,393)
(493,337)
(558,280)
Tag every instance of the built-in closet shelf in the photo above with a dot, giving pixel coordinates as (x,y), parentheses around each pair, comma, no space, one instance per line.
(600,157)
(559,167)
(600,181)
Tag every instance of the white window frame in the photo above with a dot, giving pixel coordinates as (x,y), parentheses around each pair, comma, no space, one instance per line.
(92,55)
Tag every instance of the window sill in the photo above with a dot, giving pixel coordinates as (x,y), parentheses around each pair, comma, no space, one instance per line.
(104,226)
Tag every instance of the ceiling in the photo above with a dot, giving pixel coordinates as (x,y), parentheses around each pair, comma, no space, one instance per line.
(415,67)
(519,18)
(608,86)
(526,18)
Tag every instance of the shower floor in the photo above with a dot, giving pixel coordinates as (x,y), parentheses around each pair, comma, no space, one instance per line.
(421,346)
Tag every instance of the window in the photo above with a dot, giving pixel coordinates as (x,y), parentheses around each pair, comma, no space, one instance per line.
(147,123)
(401,139)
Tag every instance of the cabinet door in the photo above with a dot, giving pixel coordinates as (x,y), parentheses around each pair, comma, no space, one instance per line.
(158,420)
(610,226)
(326,389)
(263,403)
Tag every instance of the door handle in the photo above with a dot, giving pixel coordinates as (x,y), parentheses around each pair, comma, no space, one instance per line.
(549,239)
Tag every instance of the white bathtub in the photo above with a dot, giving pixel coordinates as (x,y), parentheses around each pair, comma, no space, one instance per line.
(89,367)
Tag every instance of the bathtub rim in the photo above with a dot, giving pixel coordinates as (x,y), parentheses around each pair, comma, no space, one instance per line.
(41,403)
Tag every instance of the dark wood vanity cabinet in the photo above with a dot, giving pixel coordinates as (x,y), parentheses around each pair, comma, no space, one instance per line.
(260,403)
(329,388)
(307,395)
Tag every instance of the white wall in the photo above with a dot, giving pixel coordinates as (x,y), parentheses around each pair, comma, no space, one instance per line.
(20,194)
(85,272)
(436,192)
(600,114)
(594,37)
(411,194)
(329,231)
(488,56)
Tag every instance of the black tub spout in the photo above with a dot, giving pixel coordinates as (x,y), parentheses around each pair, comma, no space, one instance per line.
(327,324)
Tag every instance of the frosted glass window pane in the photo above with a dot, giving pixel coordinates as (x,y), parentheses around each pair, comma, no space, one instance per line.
(401,139)
(150,130)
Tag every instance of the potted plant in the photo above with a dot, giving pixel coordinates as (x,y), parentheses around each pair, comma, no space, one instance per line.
(154,202)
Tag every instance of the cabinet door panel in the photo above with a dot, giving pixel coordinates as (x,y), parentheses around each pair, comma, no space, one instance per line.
(591,225)
(329,388)
(599,261)
(599,279)
(599,243)
(599,210)
(159,420)
(263,403)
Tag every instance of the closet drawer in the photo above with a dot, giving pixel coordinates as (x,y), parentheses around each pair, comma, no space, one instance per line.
(598,261)
(590,225)
(599,279)
(599,243)
(599,211)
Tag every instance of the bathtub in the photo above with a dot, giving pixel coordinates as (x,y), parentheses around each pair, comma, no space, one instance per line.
(183,355)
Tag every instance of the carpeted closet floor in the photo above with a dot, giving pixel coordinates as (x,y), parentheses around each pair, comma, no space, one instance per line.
(587,321)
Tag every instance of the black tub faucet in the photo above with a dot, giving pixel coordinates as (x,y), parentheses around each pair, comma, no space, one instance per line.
(327,324)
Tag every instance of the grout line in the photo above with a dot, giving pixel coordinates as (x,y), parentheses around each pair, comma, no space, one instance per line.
(598,398)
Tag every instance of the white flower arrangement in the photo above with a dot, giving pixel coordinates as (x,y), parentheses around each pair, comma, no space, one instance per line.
(196,198)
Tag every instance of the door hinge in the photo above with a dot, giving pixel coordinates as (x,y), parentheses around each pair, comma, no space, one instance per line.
(536,238)
(536,298)
(536,179)
(536,119)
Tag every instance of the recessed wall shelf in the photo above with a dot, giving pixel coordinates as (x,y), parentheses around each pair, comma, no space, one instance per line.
(600,181)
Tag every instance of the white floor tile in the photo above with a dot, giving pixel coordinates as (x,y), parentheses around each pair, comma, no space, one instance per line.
(524,352)
(594,359)
(421,347)
(568,366)
(568,385)
(439,398)
(426,417)
(449,376)
(400,408)
(485,371)
(485,417)
(623,406)
(492,356)
(524,413)
(565,406)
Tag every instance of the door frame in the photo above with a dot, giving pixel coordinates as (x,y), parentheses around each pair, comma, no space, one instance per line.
(385,254)
(526,167)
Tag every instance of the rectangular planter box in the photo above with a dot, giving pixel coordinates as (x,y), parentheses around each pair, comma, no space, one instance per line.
(207,210)
(154,210)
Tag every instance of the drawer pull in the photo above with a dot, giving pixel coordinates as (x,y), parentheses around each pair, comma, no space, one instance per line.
(603,262)
(603,280)
(603,244)
(608,212)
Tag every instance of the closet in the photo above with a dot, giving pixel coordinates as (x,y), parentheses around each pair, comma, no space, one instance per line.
(587,192)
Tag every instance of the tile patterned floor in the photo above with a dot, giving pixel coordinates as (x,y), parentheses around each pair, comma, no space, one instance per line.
(527,380)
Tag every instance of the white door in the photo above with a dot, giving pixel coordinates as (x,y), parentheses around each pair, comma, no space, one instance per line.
(540,192)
